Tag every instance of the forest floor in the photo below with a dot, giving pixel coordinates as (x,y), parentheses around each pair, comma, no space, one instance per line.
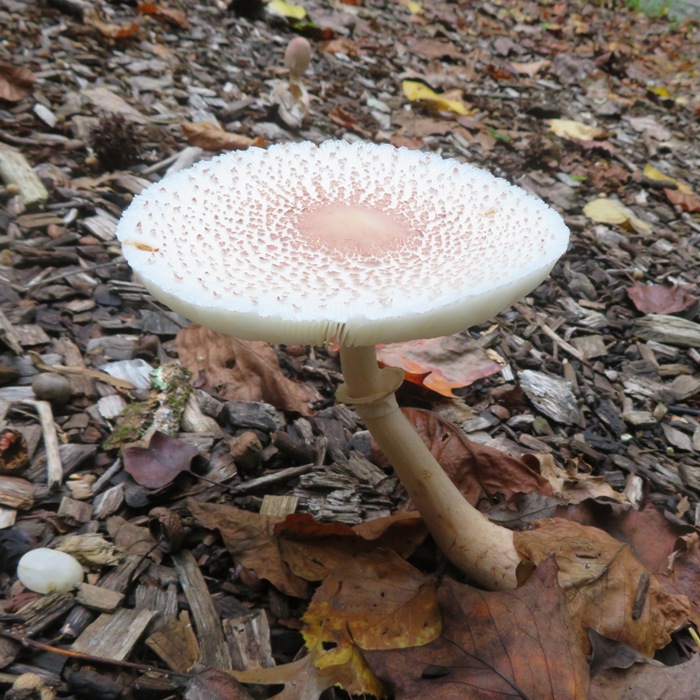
(234,524)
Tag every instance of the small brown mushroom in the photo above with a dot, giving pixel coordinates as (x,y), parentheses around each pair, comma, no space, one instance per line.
(357,245)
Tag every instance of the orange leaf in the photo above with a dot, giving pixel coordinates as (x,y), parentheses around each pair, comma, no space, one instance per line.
(439,364)
(686,201)
(164,14)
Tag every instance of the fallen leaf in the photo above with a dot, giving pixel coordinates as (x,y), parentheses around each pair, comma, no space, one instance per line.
(607,588)
(649,681)
(250,538)
(571,486)
(532,68)
(687,202)
(661,298)
(610,211)
(439,364)
(482,474)
(16,82)
(160,463)
(655,174)
(212,137)
(607,653)
(94,18)
(417,91)
(312,549)
(570,129)
(286,9)
(164,14)
(239,369)
(213,684)
(517,643)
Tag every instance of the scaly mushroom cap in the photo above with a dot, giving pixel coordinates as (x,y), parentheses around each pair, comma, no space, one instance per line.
(356,244)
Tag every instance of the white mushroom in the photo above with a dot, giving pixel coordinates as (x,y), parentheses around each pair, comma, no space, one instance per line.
(353,244)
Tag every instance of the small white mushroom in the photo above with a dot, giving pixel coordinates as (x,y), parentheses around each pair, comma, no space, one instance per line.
(44,570)
(353,244)
(297,57)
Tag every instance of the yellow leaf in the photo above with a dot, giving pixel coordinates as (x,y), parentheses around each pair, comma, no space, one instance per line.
(414,8)
(286,9)
(416,91)
(659,91)
(609,211)
(570,129)
(654,174)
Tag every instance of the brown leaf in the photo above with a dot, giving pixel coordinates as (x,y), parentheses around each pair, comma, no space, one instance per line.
(607,653)
(250,538)
(649,681)
(517,643)
(132,539)
(213,684)
(95,18)
(607,588)
(15,82)
(481,473)
(312,550)
(686,201)
(239,369)
(439,364)
(157,465)
(212,137)
(661,298)
(570,485)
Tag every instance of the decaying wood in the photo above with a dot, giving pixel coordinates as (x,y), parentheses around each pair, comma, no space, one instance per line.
(176,644)
(98,598)
(671,330)
(113,636)
(15,169)
(248,638)
(16,493)
(214,651)
(278,506)
(44,611)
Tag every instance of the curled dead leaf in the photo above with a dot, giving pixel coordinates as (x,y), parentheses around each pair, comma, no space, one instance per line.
(212,137)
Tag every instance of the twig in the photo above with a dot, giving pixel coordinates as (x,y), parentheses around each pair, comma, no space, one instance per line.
(54,468)
(83,372)
(560,342)
(145,668)
(69,273)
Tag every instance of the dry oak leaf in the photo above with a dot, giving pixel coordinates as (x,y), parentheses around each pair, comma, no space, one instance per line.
(482,474)
(661,298)
(493,646)
(250,539)
(649,681)
(212,137)
(607,589)
(569,484)
(375,600)
(312,550)
(440,364)
(239,370)
(15,82)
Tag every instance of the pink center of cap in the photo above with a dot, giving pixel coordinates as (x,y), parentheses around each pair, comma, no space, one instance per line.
(354,228)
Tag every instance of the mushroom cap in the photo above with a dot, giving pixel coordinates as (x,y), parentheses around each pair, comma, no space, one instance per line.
(349,243)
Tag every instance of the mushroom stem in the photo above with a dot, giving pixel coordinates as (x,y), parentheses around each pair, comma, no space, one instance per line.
(481,549)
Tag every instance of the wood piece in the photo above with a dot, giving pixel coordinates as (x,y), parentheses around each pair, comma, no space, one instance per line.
(99,598)
(82,384)
(278,506)
(54,467)
(249,641)
(16,493)
(9,335)
(214,651)
(74,512)
(14,169)
(150,596)
(114,636)
(671,330)
(8,517)
(272,477)
(43,612)
(552,397)
(176,644)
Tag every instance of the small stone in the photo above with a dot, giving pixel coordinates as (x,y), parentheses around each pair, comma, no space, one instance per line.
(52,387)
